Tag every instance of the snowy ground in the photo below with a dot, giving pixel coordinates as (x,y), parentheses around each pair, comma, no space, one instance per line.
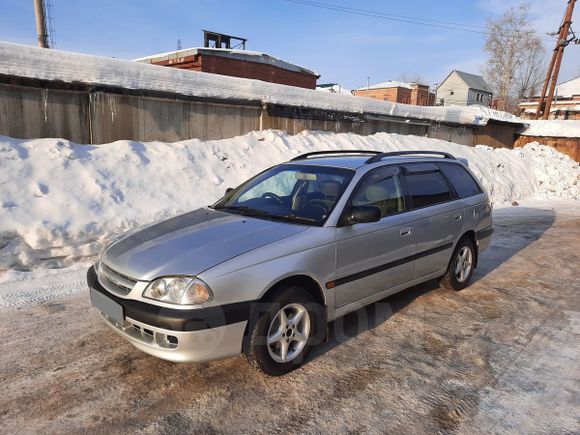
(500,356)
(59,201)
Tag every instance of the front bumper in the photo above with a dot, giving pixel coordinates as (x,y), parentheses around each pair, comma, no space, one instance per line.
(198,335)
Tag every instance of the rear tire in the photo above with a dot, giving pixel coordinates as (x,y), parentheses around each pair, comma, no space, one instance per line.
(283,334)
(461,266)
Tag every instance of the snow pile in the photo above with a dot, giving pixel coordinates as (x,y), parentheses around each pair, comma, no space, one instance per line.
(59,201)
(53,65)
(553,128)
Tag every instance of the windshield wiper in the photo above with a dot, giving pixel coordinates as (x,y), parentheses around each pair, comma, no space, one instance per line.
(243,209)
(247,211)
(294,218)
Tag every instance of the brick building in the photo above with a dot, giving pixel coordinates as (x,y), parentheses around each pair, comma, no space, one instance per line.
(237,63)
(398,92)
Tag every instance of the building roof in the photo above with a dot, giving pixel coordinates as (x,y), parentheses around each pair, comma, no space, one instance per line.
(247,55)
(333,88)
(473,81)
(569,88)
(390,84)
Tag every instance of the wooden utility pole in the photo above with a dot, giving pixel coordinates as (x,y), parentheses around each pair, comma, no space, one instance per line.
(40,13)
(545,103)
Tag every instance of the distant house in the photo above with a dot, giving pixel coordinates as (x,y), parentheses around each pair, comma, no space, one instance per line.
(237,63)
(417,94)
(566,103)
(464,89)
(333,88)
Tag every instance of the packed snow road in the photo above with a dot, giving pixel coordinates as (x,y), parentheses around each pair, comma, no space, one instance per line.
(501,355)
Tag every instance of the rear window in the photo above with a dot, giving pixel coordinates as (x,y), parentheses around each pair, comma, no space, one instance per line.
(462,181)
(427,188)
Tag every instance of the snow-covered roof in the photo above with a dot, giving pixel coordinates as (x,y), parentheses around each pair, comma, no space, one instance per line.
(473,81)
(390,84)
(569,89)
(247,55)
(333,88)
(54,65)
(553,128)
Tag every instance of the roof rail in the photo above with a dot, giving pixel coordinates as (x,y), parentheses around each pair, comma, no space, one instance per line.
(323,153)
(380,156)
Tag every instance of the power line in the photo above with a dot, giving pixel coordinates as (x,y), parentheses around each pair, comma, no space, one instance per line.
(471,28)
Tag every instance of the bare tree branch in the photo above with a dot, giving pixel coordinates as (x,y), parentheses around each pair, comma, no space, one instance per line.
(515,66)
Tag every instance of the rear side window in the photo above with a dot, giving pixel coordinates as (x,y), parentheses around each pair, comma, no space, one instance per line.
(427,188)
(462,181)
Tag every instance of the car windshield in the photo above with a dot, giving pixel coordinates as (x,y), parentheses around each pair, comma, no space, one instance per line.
(301,194)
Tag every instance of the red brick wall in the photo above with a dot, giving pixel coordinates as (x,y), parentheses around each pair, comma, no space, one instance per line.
(418,97)
(396,95)
(242,68)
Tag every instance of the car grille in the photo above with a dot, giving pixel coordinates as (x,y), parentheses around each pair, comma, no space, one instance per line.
(113,281)
(144,334)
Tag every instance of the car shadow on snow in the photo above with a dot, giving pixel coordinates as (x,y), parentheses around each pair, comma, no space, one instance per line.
(368,318)
(515,228)
(514,231)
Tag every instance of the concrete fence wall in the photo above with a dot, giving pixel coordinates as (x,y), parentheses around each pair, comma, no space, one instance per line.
(85,114)
(30,112)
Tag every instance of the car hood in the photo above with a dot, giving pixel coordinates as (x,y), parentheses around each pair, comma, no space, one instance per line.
(191,243)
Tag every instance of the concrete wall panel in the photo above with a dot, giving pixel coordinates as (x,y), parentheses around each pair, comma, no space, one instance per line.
(29,112)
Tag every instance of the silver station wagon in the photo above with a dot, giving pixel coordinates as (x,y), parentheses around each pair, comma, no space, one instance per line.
(262,271)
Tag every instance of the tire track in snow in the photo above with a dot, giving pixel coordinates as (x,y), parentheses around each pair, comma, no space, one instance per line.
(39,294)
(29,288)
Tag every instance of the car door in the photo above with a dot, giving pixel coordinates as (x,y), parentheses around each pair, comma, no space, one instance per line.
(438,216)
(372,257)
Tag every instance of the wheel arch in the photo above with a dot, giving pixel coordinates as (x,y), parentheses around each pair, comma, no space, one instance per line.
(470,234)
(300,280)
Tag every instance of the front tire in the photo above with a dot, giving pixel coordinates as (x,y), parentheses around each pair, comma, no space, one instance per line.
(283,334)
(461,267)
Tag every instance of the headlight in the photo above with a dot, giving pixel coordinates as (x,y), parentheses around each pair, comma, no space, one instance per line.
(181,290)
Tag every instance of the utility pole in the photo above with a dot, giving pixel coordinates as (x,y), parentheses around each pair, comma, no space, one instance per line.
(40,13)
(545,103)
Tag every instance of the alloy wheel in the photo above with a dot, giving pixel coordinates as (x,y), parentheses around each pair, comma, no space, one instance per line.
(288,333)
(463,264)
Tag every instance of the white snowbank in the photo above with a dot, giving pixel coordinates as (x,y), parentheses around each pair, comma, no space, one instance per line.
(54,65)
(553,128)
(59,201)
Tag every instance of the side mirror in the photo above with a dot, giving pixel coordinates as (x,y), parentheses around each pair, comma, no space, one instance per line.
(360,214)
(229,189)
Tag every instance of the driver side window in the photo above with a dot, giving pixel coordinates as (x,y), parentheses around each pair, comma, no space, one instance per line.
(382,190)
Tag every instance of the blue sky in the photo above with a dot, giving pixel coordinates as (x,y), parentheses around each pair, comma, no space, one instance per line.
(343,48)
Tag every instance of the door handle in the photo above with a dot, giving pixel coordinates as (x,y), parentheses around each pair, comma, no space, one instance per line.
(458,217)
(405,231)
